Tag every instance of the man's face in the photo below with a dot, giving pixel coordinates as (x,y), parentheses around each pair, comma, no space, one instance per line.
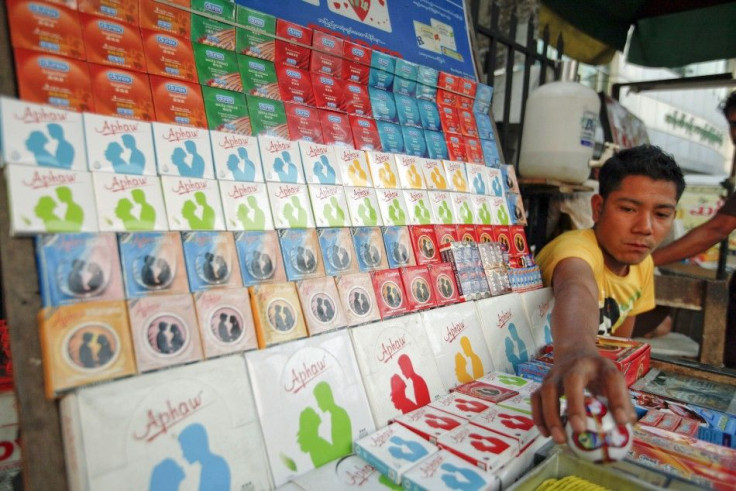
(731,117)
(633,220)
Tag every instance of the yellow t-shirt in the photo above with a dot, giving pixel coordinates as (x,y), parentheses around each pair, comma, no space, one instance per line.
(618,296)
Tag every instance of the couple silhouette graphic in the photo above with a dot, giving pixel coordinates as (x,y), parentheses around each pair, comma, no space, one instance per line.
(359,302)
(248,170)
(47,210)
(214,268)
(93,352)
(402,399)
(285,169)
(250,215)
(420,289)
(323,308)
(146,219)
(62,157)
(214,471)
(467,357)
(85,278)
(187,160)
(169,338)
(155,272)
(319,449)
(281,316)
(198,213)
(228,329)
(136,160)
(260,265)
(324,171)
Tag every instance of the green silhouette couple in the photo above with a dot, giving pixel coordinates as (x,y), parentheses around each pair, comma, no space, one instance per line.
(251,215)
(466,216)
(203,219)
(421,213)
(46,209)
(396,213)
(445,213)
(295,214)
(334,214)
(146,219)
(310,442)
(367,213)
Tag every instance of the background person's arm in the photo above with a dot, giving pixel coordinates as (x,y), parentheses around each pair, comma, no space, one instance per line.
(696,240)
(578,365)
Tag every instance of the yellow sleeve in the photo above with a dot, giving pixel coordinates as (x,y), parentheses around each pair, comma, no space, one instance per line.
(580,244)
(646,301)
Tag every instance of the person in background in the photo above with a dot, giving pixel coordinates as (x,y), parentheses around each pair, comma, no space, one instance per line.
(601,278)
(709,233)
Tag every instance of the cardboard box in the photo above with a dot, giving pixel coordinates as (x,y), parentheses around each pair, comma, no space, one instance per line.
(259,77)
(417,285)
(225,321)
(335,128)
(445,234)
(443,284)
(301,253)
(326,54)
(363,206)
(277,313)
(183,151)
(153,264)
(257,36)
(166,18)
(392,139)
(113,43)
(44,27)
(168,55)
(295,85)
(369,248)
(121,93)
(328,92)
(418,207)
(178,102)
(383,169)
(320,163)
(303,123)
(414,141)
(358,298)
(245,205)
(398,246)
(290,205)
(321,305)
(55,80)
(436,145)
(365,133)
(187,197)
(404,87)
(383,105)
(226,111)
(259,256)
(356,63)
(293,44)
(217,67)
(120,10)
(118,195)
(356,98)
(456,147)
(473,151)
(267,117)
(338,251)
(212,32)
(429,116)
(424,243)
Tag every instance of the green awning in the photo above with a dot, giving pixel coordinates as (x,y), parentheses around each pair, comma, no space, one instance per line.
(666,33)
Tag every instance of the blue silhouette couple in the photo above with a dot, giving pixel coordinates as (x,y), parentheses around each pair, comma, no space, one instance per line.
(187,160)
(248,171)
(324,171)
(136,161)
(61,158)
(214,472)
(285,169)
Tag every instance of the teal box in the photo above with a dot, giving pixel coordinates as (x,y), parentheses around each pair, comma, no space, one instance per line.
(414,141)
(407,110)
(490,153)
(383,104)
(406,69)
(405,86)
(484,125)
(380,79)
(392,139)
(427,76)
(483,98)
(384,62)
(436,145)
(426,92)
(429,115)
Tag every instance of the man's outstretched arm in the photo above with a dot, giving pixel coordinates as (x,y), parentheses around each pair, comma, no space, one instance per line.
(578,364)
(696,240)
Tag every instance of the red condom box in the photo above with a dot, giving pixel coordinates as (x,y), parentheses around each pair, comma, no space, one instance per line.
(326,54)
(424,243)
(328,92)
(335,128)
(390,293)
(417,284)
(303,122)
(443,282)
(113,43)
(293,44)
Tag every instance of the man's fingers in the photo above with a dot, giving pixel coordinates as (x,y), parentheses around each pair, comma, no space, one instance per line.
(537,413)
(550,402)
(575,382)
(619,402)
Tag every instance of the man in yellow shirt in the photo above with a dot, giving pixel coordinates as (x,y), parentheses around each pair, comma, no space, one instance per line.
(602,278)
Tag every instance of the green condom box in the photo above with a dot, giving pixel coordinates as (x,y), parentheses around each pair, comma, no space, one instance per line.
(129,203)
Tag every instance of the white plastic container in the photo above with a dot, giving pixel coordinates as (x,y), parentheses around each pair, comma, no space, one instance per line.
(559,131)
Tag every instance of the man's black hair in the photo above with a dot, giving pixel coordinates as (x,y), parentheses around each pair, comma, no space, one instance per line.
(644,160)
(729,103)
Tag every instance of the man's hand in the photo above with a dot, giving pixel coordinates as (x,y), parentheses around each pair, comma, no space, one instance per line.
(570,376)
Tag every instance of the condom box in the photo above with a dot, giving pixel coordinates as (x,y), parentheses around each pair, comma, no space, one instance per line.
(466,265)
(209,30)
(79,267)
(245,205)
(496,181)
(428,422)
(236,157)
(463,206)
(424,243)
(444,469)
(320,304)
(515,205)
(419,207)
(168,55)
(290,205)
(303,123)
(267,117)
(487,450)
(356,62)
(484,126)
(390,294)
(128,203)
(442,208)
(152,423)
(455,334)
(336,128)
(393,207)
(301,389)
(457,177)
(293,44)
(473,151)
(211,260)
(499,211)
(277,314)
(486,233)
(456,149)
(443,283)
(434,174)
(350,472)
(384,450)
(407,111)
(425,91)
(320,163)
(259,77)
(153,263)
(447,98)
(363,205)
(417,286)
(338,252)
(84,343)
(365,133)
(329,205)
(397,360)
(120,92)
(486,391)
(383,169)
(398,246)
(295,85)
(257,36)
(481,206)
(226,110)
(30,131)
(192,204)
(467,233)
(411,175)
(369,248)
(35,195)
(328,92)
(51,28)
(507,331)
(479,179)
(119,145)
(391,136)
(177,102)
(491,155)
(429,117)
(259,256)
(358,298)
(326,54)
(467,124)
(405,87)
(414,141)
(183,151)
(353,167)
(444,233)
(165,331)
(301,254)
(52,79)
(113,43)
(225,321)
(356,98)
(281,160)
(164,18)
(483,97)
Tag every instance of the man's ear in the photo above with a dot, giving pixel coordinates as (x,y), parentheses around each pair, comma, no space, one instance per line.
(596,204)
